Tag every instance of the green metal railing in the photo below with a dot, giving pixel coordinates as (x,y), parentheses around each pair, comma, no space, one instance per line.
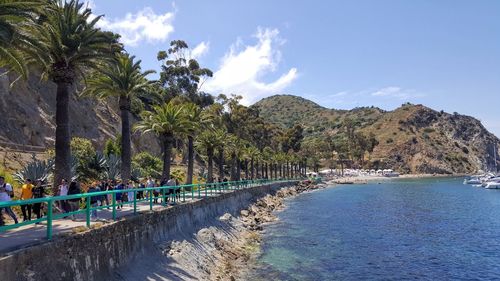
(173,194)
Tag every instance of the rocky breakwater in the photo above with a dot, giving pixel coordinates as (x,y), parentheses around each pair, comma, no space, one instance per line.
(227,251)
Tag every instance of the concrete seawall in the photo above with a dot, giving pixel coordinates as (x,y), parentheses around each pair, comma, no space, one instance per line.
(99,253)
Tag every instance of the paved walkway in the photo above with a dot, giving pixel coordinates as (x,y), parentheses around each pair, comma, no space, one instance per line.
(30,235)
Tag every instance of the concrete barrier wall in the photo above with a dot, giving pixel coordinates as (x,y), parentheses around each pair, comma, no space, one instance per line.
(96,254)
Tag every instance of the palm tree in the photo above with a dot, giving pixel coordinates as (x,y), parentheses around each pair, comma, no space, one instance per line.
(208,141)
(166,121)
(235,147)
(252,153)
(221,152)
(67,46)
(122,79)
(198,120)
(14,16)
(231,148)
(267,156)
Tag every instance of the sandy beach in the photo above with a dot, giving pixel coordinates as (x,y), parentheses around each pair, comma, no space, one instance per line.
(366,179)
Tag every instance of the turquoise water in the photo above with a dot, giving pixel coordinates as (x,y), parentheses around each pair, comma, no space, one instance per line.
(431,229)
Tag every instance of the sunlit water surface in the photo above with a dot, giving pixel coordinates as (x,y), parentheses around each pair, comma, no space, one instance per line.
(430,229)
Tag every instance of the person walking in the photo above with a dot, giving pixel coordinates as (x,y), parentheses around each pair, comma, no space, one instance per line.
(63,191)
(6,194)
(26,194)
(94,200)
(109,187)
(74,204)
(149,184)
(171,182)
(119,195)
(38,192)
(140,194)
(156,192)
(130,194)
(105,199)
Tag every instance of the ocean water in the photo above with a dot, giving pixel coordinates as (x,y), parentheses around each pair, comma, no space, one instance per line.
(429,229)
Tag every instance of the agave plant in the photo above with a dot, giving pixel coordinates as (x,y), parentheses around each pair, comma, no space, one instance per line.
(36,170)
(95,166)
(135,174)
(113,166)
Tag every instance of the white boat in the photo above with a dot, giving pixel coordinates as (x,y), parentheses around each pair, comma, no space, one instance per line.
(472,181)
(492,185)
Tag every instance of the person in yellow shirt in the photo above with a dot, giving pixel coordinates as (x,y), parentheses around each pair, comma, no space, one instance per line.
(26,194)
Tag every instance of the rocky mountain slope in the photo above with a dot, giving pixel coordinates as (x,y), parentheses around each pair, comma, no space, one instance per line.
(412,138)
(27,115)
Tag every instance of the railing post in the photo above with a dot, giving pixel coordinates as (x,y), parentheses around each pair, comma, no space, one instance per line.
(135,202)
(184,193)
(206,191)
(87,210)
(175,196)
(163,201)
(199,191)
(49,219)
(151,200)
(113,201)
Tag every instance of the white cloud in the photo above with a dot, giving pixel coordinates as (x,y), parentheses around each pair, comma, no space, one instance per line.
(200,50)
(339,94)
(243,66)
(144,25)
(396,92)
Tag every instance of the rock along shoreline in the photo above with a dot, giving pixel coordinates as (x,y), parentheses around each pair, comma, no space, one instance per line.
(228,251)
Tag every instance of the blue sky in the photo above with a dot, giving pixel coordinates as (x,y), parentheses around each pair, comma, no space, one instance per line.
(341,54)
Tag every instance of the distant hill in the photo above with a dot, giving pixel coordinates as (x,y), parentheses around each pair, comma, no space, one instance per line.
(412,138)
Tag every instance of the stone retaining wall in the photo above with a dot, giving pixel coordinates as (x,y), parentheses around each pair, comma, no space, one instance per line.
(97,254)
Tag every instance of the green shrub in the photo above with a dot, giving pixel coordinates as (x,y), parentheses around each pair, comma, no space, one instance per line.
(147,164)
(113,147)
(84,153)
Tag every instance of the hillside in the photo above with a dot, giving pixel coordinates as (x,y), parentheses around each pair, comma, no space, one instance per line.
(412,138)
(27,115)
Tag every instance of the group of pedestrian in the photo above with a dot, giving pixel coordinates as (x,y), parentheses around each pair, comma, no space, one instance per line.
(30,190)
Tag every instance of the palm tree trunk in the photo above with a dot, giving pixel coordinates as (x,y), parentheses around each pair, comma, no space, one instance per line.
(246,169)
(252,169)
(232,171)
(63,138)
(238,169)
(221,164)
(190,168)
(126,154)
(267,170)
(210,154)
(167,155)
